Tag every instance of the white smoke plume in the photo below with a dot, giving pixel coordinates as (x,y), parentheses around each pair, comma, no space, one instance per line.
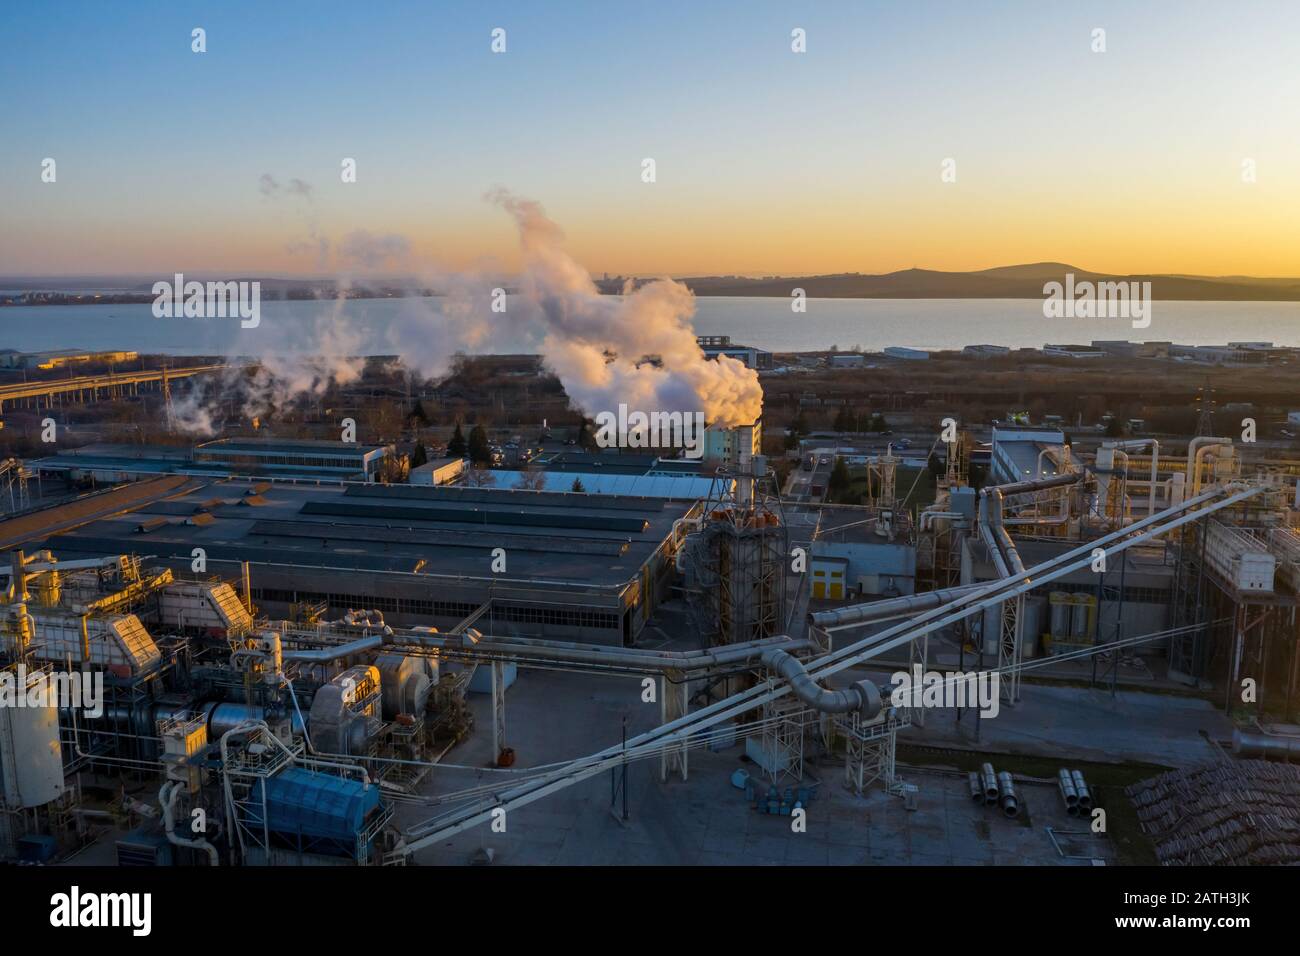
(638,350)
(599,345)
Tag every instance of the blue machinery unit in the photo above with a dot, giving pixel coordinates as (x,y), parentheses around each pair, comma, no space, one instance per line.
(317,813)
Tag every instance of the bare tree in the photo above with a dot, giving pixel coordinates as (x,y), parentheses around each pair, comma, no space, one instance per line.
(531,478)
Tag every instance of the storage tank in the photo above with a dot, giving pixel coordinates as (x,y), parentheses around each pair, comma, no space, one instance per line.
(1061,612)
(31,759)
(1079,617)
(1035,611)
(1082,617)
(992,623)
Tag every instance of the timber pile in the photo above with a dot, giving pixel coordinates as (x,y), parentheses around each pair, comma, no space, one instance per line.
(1228,814)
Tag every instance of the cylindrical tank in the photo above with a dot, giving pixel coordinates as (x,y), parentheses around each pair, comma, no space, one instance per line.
(992,622)
(1060,604)
(1079,617)
(31,773)
(1035,610)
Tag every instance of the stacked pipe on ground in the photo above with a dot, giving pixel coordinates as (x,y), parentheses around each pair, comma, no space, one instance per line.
(1007,795)
(990,782)
(1068,792)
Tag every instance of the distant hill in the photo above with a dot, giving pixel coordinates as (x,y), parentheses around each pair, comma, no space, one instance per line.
(1005,282)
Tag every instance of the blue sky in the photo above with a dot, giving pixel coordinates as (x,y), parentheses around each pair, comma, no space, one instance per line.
(767,161)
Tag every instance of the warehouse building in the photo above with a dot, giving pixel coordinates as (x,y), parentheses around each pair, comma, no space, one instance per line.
(229,457)
(559,566)
(332,459)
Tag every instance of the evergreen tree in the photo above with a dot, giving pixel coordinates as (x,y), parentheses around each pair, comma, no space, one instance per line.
(839,482)
(577,486)
(456,448)
(419,456)
(480,452)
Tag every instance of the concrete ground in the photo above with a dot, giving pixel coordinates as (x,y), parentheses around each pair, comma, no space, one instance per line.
(1086,723)
(707,821)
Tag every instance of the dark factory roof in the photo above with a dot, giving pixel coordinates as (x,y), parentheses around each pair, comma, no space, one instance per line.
(587,540)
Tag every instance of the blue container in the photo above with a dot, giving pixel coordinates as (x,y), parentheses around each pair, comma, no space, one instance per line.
(319,805)
(36,848)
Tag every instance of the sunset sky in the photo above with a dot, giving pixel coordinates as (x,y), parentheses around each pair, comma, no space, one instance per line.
(768,162)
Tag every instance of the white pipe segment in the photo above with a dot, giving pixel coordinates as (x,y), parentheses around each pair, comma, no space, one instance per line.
(431,831)
(890,607)
(1193,475)
(1137,444)
(863,696)
(167,798)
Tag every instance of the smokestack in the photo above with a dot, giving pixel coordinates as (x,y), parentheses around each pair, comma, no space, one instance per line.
(743,454)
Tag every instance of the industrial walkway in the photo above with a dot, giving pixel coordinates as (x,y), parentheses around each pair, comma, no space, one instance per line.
(88,388)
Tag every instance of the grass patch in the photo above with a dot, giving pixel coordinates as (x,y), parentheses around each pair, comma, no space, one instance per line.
(1107,782)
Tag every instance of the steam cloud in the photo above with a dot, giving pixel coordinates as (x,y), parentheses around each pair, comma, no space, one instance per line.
(639,351)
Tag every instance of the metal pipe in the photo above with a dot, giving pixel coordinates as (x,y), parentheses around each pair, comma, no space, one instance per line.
(1134,445)
(891,607)
(1007,796)
(430,831)
(1081,790)
(861,696)
(989,779)
(976,787)
(167,797)
(1071,796)
(1193,458)
(569,652)
(327,654)
(1249,744)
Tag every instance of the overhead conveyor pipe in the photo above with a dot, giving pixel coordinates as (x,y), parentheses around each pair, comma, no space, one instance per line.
(927,600)
(683,728)
(862,696)
(586,654)
(325,655)
(1001,537)
(891,607)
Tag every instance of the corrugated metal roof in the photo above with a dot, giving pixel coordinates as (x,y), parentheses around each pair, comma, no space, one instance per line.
(675,487)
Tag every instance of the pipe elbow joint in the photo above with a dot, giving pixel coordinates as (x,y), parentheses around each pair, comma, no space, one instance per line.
(869,697)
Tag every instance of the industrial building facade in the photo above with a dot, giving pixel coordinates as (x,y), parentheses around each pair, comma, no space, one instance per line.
(571,567)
